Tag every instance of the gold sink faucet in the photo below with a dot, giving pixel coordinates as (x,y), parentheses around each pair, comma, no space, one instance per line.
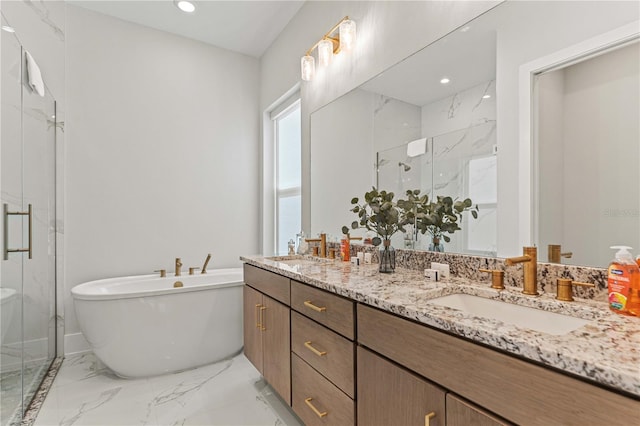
(530,268)
(323,244)
(178,266)
(555,253)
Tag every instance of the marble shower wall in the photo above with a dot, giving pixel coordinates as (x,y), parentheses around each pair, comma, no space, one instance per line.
(460,160)
(40,28)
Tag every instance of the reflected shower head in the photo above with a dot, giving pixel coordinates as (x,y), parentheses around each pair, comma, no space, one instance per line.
(405,165)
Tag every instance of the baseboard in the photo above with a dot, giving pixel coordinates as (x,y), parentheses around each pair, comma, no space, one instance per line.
(75,343)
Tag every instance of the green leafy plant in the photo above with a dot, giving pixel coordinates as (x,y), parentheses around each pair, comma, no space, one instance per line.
(436,217)
(378,213)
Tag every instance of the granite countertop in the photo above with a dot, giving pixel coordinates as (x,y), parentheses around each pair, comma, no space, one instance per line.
(605,351)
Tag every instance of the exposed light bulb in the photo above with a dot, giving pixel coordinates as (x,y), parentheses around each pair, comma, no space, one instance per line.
(186,6)
(445,81)
(325,52)
(347,35)
(307,67)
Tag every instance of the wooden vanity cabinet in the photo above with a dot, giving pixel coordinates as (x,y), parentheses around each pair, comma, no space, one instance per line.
(323,356)
(514,389)
(463,413)
(267,328)
(389,395)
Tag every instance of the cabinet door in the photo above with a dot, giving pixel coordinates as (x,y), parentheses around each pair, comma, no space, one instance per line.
(390,395)
(252,301)
(463,413)
(276,346)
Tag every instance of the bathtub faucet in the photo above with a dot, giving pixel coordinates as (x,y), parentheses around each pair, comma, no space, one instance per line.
(206,262)
(178,266)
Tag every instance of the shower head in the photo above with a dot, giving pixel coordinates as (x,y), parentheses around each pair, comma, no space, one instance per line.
(405,165)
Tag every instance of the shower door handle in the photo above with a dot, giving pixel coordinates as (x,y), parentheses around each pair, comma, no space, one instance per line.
(6,215)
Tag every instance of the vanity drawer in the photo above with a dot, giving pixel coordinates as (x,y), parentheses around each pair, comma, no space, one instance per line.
(329,353)
(328,309)
(311,389)
(271,284)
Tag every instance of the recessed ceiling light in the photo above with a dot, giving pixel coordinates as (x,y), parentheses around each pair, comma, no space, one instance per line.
(185,6)
(486,96)
(8,29)
(444,81)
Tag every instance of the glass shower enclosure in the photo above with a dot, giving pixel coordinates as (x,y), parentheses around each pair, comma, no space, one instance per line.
(460,164)
(27,269)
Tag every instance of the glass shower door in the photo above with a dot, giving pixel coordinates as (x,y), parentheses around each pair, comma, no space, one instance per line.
(38,180)
(11,282)
(27,269)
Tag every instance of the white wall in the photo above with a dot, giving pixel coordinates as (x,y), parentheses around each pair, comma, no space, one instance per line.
(162,151)
(343,163)
(387,32)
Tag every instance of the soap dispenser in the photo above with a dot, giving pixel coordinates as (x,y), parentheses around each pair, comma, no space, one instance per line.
(623,282)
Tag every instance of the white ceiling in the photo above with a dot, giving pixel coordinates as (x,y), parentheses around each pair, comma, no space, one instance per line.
(416,80)
(247,27)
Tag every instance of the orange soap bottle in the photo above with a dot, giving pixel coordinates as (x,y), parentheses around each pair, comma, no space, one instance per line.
(633,303)
(345,249)
(622,279)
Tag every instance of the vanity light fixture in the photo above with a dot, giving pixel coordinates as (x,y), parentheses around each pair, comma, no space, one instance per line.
(185,6)
(342,37)
(445,80)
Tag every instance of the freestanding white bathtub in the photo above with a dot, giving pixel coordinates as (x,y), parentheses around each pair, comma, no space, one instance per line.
(142,326)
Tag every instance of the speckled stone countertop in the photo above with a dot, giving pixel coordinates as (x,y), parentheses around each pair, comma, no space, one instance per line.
(606,350)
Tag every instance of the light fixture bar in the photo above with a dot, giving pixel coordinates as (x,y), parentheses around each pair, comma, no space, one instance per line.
(327,50)
(335,40)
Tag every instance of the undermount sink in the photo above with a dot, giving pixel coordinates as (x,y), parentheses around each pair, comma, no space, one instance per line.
(520,316)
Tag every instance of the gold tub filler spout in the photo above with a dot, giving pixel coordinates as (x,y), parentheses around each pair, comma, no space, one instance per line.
(206,262)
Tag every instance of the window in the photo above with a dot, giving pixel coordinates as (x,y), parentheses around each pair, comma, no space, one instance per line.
(483,190)
(288,194)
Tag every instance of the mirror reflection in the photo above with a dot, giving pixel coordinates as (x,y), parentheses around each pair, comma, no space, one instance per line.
(462,94)
(588,139)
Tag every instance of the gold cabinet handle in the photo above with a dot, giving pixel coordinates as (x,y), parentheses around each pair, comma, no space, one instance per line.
(428,417)
(258,316)
(319,413)
(308,304)
(262,309)
(314,350)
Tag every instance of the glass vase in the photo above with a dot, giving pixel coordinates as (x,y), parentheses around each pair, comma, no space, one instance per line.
(387,257)
(436,245)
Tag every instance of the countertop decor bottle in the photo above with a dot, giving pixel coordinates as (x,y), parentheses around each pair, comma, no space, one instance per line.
(623,276)
(345,249)
(633,303)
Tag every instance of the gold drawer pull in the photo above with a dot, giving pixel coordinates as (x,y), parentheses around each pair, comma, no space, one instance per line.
(308,304)
(428,417)
(262,309)
(314,350)
(315,410)
(258,319)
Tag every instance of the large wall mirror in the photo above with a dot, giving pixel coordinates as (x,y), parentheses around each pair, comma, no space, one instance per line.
(470,133)
(586,140)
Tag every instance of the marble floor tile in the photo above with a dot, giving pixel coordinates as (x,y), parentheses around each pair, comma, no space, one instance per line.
(230,392)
